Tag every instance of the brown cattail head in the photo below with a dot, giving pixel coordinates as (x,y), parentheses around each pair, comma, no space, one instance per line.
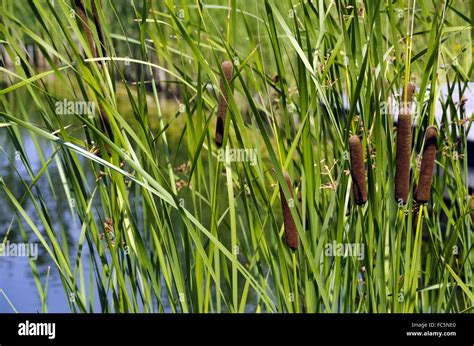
(84,23)
(291,232)
(422,193)
(227,68)
(358,170)
(402,173)
(471,206)
(98,27)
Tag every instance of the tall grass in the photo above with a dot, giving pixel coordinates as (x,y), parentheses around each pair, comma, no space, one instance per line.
(210,237)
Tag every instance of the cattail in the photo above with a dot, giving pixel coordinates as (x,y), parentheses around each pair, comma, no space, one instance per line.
(358,170)
(422,193)
(84,22)
(98,26)
(222,105)
(471,206)
(402,173)
(291,232)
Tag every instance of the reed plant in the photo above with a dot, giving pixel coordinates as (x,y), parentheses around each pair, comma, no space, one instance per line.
(162,222)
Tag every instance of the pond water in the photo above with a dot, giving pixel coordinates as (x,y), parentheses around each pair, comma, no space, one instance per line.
(16,279)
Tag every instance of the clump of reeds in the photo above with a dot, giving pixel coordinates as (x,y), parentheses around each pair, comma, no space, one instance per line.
(404,135)
(291,232)
(358,170)
(227,68)
(423,189)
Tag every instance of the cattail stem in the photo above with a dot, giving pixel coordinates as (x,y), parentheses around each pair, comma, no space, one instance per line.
(295,281)
(358,170)
(422,193)
(471,207)
(291,232)
(404,135)
(222,106)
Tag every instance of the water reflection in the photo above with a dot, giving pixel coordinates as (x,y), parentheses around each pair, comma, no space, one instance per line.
(16,278)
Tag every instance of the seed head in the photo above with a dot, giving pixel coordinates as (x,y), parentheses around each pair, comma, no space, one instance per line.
(227,68)
(358,170)
(402,173)
(291,232)
(422,193)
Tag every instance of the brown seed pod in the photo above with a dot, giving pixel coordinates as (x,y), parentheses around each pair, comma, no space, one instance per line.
(471,206)
(358,170)
(98,26)
(402,173)
(291,232)
(422,193)
(227,67)
(84,23)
